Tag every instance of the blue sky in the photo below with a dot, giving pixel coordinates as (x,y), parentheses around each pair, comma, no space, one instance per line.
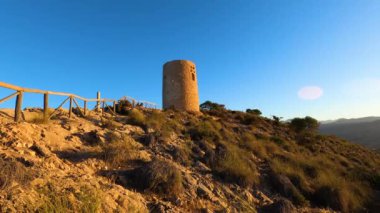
(249,54)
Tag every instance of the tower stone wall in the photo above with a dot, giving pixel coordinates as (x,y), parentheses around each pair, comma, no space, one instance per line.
(180,87)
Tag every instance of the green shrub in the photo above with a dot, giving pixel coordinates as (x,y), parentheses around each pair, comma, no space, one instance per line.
(123,107)
(254,111)
(214,109)
(161,177)
(208,105)
(276,119)
(308,124)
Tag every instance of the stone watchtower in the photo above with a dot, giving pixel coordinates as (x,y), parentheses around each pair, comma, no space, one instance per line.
(180,89)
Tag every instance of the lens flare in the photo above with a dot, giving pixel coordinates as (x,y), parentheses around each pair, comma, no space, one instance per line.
(310,93)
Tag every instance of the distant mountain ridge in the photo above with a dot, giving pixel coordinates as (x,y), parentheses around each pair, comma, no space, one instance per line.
(352,120)
(364,131)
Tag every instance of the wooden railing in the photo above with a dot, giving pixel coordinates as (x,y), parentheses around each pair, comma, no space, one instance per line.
(19,91)
(134,102)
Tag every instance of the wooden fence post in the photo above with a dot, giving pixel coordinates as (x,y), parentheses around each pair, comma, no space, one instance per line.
(85,108)
(98,102)
(103,104)
(71,106)
(18,106)
(114,107)
(46,107)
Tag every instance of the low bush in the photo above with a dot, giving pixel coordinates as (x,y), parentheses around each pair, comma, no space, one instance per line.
(254,111)
(214,109)
(307,124)
(123,107)
(208,105)
(161,177)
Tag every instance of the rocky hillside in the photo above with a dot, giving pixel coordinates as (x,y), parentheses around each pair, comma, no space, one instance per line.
(153,161)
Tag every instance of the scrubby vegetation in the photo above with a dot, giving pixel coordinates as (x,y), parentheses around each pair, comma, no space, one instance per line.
(308,124)
(161,177)
(253,111)
(303,166)
(12,171)
(60,201)
(136,117)
(119,150)
(37,117)
(235,165)
(244,151)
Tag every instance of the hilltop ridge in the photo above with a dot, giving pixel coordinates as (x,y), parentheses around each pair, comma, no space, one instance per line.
(170,161)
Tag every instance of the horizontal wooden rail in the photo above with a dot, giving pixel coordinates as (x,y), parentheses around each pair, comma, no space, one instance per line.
(135,102)
(100,106)
(22,89)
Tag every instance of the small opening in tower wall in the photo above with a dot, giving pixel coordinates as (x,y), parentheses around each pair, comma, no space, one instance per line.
(193,76)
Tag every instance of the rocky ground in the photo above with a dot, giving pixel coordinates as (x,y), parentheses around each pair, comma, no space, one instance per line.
(59,166)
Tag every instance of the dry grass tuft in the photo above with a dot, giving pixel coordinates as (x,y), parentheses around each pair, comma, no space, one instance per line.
(233,164)
(136,117)
(109,123)
(60,201)
(13,171)
(161,177)
(206,129)
(119,150)
(37,116)
(321,181)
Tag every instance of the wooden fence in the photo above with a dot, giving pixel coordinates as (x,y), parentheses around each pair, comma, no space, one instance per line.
(72,98)
(134,102)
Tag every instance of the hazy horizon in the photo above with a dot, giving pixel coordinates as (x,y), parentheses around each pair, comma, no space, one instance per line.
(286,58)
